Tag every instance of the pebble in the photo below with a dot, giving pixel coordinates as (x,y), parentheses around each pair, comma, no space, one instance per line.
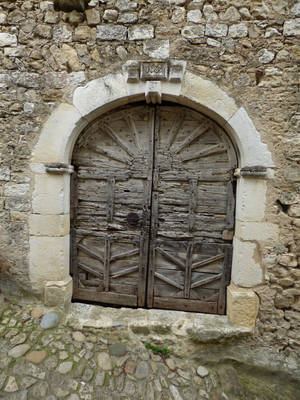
(171,364)
(19,351)
(49,320)
(65,367)
(175,393)
(11,385)
(142,370)
(78,336)
(19,339)
(36,357)
(117,349)
(37,312)
(104,361)
(202,371)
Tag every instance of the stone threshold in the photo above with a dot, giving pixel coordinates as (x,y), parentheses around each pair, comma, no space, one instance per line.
(202,328)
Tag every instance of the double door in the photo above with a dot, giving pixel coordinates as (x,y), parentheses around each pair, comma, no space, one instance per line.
(153,210)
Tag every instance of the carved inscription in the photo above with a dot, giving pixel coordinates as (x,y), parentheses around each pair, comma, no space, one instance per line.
(154,71)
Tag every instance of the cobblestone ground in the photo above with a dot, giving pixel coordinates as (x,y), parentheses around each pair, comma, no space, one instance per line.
(62,362)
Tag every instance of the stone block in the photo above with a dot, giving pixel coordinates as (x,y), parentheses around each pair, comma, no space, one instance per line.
(18,204)
(29,80)
(205,92)
(58,293)
(253,151)
(140,32)
(110,15)
(265,56)
(242,306)
(194,16)
(49,225)
(51,194)
(18,51)
(53,140)
(257,231)
(178,15)
(92,16)
(6,39)
(294,210)
(16,189)
(156,48)
(251,199)
(292,27)
(216,30)
(238,31)
(296,9)
(246,264)
(128,18)
(125,5)
(100,92)
(61,34)
(4,173)
(193,33)
(49,260)
(111,32)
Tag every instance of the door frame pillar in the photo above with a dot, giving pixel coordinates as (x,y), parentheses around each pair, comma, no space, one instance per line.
(50,166)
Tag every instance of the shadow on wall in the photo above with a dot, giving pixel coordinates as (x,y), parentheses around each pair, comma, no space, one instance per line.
(70,5)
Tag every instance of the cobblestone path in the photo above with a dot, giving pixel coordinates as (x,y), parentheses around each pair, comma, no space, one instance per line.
(62,362)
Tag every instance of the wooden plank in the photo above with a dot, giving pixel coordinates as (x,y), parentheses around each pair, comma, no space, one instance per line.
(175,129)
(120,142)
(110,199)
(108,154)
(185,305)
(133,129)
(95,254)
(104,297)
(107,263)
(192,204)
(230,206)
(188,271)
(172,258)
(154,208)
(168,280)
(90,270)
(206,281)
(225,281)
(126,254)
(216,149)
(125,271)
(199,131)
(210,260)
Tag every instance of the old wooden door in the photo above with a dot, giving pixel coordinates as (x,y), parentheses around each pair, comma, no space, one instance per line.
(153,210)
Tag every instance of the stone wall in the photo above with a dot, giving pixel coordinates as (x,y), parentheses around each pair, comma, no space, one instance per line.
(248,48)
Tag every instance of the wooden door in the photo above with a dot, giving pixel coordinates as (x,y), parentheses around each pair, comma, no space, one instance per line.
(152,209)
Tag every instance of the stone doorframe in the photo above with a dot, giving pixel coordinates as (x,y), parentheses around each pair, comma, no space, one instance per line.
(50,165)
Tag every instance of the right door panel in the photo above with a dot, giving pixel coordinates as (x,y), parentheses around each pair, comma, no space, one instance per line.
(192,212)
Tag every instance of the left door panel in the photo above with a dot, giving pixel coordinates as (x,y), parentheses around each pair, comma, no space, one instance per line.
(113,159)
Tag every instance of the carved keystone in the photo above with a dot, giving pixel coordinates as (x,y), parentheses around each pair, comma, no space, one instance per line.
(153,92)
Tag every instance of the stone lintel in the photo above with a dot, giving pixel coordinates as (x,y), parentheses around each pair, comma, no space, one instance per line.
(242,306)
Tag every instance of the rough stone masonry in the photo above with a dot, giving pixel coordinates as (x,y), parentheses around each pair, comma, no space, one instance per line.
(250,49)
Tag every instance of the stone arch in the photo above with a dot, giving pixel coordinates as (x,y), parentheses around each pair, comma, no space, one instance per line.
(49,221)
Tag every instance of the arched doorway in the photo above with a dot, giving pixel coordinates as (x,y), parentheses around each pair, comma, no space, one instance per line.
(152,209)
